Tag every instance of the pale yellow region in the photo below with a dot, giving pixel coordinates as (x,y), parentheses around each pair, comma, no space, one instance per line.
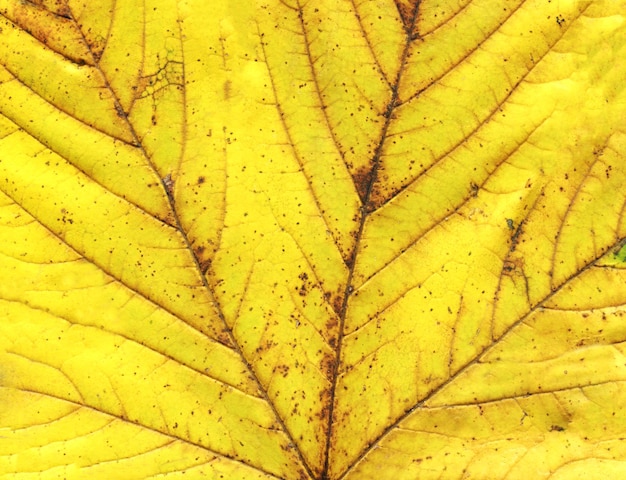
(339,68)
(241,159)
(146,255)
(449,35)
(577,338)
(25,240)
(611,10)
(432,14)
(119,167)
(200,182)
(548,117)
(279,271)
(592,290)
(124,54)
(78,90)
(517,439)
(415,323)
(96,19)
(40,271)
(287,344)
(595,219)
(586,311)
(601,87)
(327,124)
(452,182)
(283,324)
(591,469)
(153,85)
(44,437)
(87,366)
(475,86)
(383,32)
(509,188)
(511,377)
(578,217)
(50,27)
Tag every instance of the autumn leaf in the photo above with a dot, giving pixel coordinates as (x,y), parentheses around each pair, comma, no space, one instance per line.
(323,240)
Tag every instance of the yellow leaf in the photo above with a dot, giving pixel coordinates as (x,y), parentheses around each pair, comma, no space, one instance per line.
(312,240)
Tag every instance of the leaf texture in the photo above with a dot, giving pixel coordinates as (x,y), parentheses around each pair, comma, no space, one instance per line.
(322,240)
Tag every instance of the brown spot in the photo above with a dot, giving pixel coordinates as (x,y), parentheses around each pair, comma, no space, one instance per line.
(337,303)
(168,183)
(516,236)
(224,338)
(227,89)
(282,370)
(57,7)
(331,328)
(408,13)
(201,180)
(513,266)
(119,110)
(204,262)
(378,197)
(325,400)
(362,180)
(350,260)
(327,366)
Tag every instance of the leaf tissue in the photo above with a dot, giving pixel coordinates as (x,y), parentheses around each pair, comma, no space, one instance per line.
(313,240)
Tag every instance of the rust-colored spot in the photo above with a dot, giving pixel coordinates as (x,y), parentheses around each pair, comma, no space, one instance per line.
(337,303)
(120,111)
(408,12)
(331,329)
(224,338)
(282,370)
(516,236)
(227,89)
(513,266)
(351,258)
(327,366)
(203,256)
(56,7)
(362,180)
(378,197)
(325,401)
(201,180)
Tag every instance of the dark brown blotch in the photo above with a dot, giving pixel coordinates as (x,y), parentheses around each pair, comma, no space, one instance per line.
(362,181)
(408,14)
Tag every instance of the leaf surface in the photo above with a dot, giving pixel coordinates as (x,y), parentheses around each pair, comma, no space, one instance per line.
(324,240)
